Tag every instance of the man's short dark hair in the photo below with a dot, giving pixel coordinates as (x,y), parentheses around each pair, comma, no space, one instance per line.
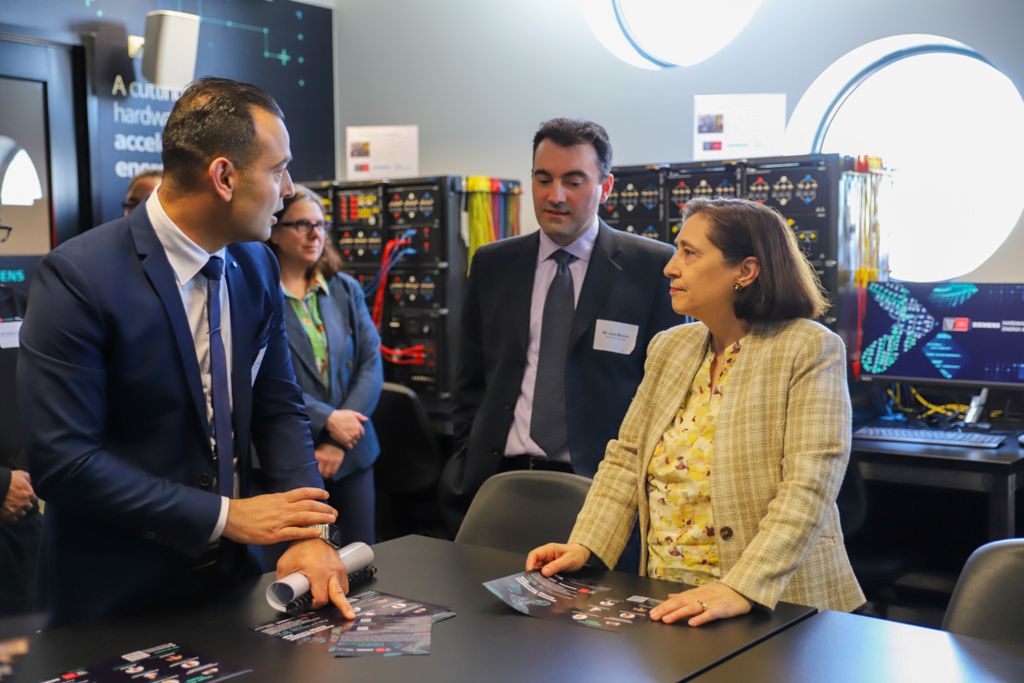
(570,132)
(787,286)
(213,118)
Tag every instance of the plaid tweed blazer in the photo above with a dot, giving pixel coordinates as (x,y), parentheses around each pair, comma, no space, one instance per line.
(782,444)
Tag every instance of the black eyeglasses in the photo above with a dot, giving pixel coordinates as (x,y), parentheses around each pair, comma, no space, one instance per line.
(306,227)
(5,232)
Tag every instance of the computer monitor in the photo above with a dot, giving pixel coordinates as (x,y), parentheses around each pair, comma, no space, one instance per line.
(949,333)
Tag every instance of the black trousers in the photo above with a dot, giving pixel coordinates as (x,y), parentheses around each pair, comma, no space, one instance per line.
(533,462)
(19,552)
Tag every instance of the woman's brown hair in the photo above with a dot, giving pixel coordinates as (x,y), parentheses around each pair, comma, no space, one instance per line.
(329,264)
(787,286)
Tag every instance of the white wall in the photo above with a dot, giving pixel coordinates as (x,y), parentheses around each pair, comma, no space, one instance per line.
(477,76)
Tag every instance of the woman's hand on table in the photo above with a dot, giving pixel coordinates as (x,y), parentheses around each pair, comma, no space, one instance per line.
(553,558)
(701,604)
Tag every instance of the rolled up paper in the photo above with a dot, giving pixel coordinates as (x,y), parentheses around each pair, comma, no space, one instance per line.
(280,593)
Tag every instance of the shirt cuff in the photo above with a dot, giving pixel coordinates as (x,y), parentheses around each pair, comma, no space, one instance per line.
(222,520)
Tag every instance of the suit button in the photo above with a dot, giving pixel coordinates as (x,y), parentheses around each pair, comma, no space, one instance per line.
(725,532)
(495,452)
(205,480)
(149,535)
(509,406)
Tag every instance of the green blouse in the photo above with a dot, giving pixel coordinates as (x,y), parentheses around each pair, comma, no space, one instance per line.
(307,309)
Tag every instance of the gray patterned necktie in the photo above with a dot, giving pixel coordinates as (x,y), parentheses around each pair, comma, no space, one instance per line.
(548,426)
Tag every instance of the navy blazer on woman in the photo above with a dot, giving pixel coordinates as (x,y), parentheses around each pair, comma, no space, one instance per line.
(114,417)
(356,376)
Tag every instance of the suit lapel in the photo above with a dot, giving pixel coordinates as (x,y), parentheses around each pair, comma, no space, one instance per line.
(601,273)
(336,327)
(521,271)
(298,342)
(751,347)
(160,274)
(242,353)
(683,366)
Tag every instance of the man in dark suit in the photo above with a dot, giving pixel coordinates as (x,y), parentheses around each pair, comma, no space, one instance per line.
(153,356)
(20,522)
(555,325)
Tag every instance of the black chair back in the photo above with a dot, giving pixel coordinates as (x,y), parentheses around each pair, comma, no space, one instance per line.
(521,510)
(409,455)
(408,468)
(988,601)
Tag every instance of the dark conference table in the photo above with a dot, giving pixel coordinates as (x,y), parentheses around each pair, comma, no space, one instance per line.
(847,648)
(486,641)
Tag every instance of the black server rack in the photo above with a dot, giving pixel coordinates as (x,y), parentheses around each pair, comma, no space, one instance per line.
(804,189)
(636,203)
(322,188)
(422,292)
(700,179)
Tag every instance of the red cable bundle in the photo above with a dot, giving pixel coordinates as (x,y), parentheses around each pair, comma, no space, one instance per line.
(862,304)
(414,355)
(378,299)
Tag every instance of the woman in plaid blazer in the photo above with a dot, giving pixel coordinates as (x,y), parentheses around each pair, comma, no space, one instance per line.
(766,452)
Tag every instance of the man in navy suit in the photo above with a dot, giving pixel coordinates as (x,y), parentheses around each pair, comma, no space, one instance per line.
(154,355)
(545,379)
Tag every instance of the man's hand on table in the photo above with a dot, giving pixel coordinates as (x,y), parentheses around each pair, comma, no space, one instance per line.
(319,563)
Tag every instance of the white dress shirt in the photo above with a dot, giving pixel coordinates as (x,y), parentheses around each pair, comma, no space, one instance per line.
(187,260)
(519,441)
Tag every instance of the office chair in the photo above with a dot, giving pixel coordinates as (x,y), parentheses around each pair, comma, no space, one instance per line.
(409,465)
(521,510)
(988,600)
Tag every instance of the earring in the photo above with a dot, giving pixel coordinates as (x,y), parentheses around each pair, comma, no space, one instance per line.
(737,286)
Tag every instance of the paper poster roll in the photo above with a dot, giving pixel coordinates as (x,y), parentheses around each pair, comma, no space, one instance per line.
(281,593)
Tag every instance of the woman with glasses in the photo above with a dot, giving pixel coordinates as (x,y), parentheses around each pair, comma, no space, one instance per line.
(336,355)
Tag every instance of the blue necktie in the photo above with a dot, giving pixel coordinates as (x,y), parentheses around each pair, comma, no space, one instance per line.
(224,449)
(548,425)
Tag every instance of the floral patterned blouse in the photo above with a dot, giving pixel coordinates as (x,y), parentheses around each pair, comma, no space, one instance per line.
(681,536)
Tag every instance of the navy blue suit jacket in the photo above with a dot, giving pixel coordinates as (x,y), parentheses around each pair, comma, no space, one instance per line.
(624,284)
(355,366)
(114,418)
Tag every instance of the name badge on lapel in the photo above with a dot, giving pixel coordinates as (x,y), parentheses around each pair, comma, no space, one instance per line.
(257,364)
(9,334)
(615,337)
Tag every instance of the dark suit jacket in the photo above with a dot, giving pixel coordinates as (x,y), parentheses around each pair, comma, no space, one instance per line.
(624,284)
(12,307)
(356,373)
(19,539)
(114,417)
